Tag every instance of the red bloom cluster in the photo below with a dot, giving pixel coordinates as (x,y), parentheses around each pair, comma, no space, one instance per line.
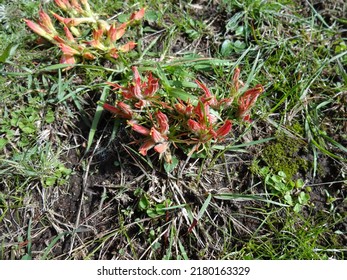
(190,123)
(247,99)
(143,93)
(105,35)
(139,95)
(201,121)
(162,121)
(157,135)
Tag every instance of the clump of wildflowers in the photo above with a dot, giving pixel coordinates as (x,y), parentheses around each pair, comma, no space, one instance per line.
(142,94)
(200,124)
(105,34)
(168,123)
(247,99)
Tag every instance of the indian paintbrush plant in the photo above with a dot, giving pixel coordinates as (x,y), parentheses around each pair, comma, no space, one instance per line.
(81,21)
(164,123)
(167,123)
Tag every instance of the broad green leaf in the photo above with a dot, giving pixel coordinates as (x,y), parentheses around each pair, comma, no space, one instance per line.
(297,208)
(3,142)
(239,46)
(151,15)
(288,198)
(152,213)
(303,198)
(226,48)
(234,21)
(50,181)
(169,167)
(49,118)
(180,94)
(144,203)
(299,183)
(8,52)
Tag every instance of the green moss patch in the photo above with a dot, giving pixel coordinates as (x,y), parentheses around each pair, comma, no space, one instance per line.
(284,155)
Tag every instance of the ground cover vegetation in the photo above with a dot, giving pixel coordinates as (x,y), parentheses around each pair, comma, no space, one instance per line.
(173,129)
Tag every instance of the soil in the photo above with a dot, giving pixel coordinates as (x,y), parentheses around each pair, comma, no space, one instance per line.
(329,10)
(99,192)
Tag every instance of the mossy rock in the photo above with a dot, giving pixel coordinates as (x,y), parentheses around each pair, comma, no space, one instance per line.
(284,155)
(297,128)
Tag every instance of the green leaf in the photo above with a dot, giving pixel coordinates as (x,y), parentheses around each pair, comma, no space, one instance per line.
(181,94)
(226,48)
(144,203)
(236,147)
(169,167)
(123,18)
(50,181)
(26,257)
(64,170)
(183,251)
(288,198)
(8,52)
(240,30)
(239,46)
(26,128)
(180,206)
(299,183)
(56,67)
(51,245)
(277,179)
(233,23)
(160,209)
(3,142)
(297,208)
(152,213)
(49,118)
(192,33)
(151,15)
(264,171)
(281,187)
(332,141)
(303,198)
(183,84)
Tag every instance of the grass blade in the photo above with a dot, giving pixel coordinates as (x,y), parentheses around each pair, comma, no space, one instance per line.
(204,206)
(183,251)
(246,197)
(28,255)
(201,212)
(97,116)
(53,242)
